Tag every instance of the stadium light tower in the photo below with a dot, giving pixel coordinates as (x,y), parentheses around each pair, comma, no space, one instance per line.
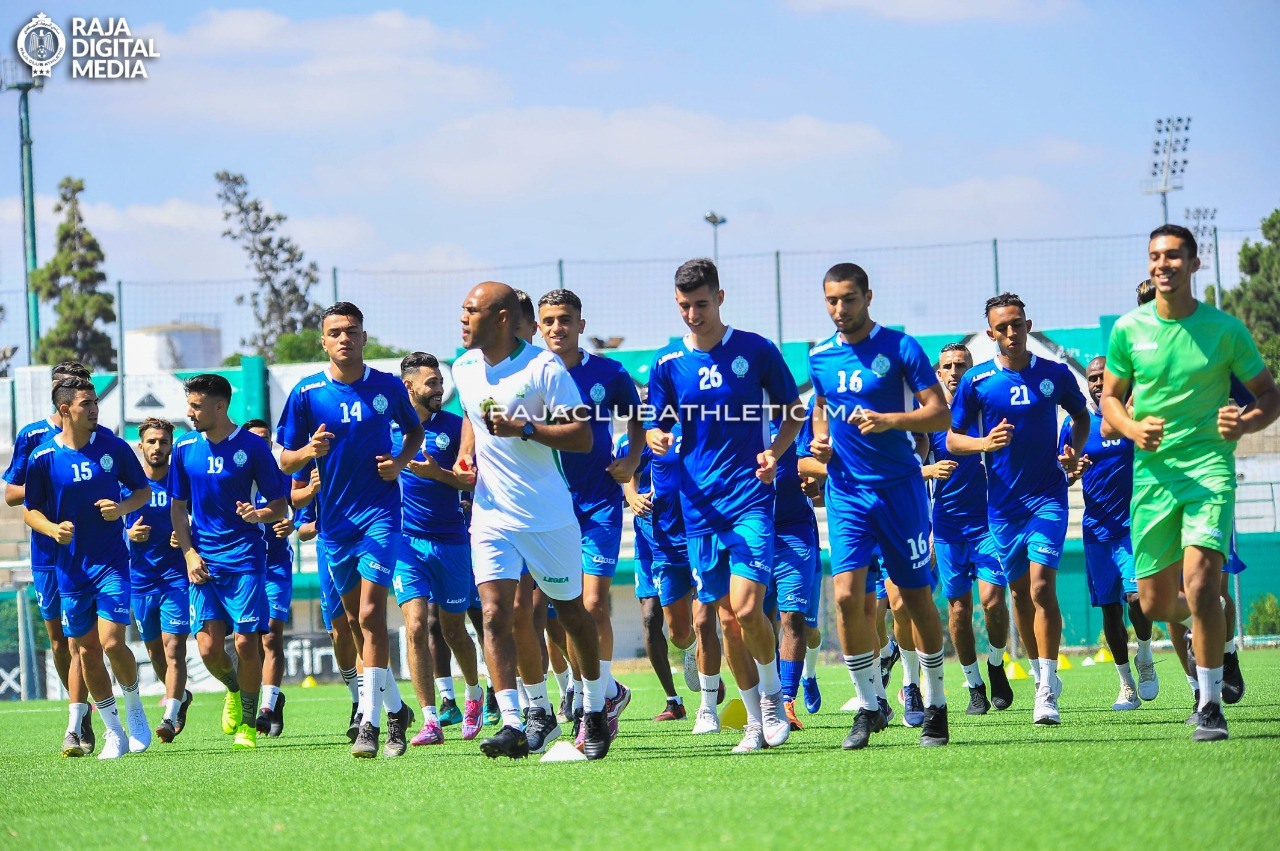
(14,75)
(1201,222)
(715,222)
(1168,167)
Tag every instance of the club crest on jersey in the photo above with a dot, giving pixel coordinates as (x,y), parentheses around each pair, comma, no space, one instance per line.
(107,463)
(597,393)
(739,366)
(1046,387)
(380,403)
(442,441)
(240,458)
(880,366)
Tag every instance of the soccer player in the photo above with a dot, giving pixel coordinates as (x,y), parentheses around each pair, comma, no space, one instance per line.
(595,477)
(341,419)
(524,410)
(279,585)
(864,378)
(44,557)
(965,551)
(73,488)
(212,479)
(720,385)
(1178,355)
(159,589)
(434,563)
(1012,400)
(1106,475)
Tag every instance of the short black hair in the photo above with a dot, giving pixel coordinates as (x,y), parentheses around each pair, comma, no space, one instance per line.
(526,307)
(559,298)
(65,389)
(697,273)
(208,384)
(1146,292)
(957,347)
(257,423)
(1187,237)
(70,368)
(155,423)
(417,360)
(343,308)
(1004,300)
(848,272)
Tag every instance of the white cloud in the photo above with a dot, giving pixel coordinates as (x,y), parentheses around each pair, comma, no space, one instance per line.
(1046,151)
(944,11)
(510,152)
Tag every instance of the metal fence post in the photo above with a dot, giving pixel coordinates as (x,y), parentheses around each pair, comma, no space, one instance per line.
(560,269)
(1217,273)
(995,260)
(335,284)
(777,291)
(120,357)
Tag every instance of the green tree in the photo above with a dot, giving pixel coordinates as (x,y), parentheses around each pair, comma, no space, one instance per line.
(282,304)
(70,281)
(304,347)
(1257,300)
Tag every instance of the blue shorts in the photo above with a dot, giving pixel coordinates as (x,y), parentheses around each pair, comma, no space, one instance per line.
(48,598)
(797,570)
(239,600)
(1233,565)
(372,557)
(1110,570)
(746,551)
(1038,538)
(601,540)
(280,593)
(107,599)
(439,572)
(165,609)
(330,599)
(893,519)
(875,579)
(645,586)
(960,563)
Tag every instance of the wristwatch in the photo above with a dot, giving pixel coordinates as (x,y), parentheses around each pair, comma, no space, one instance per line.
(527,431)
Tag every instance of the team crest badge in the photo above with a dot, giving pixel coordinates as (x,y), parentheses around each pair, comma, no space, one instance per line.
(240,458)
(380,403)
(880,366)
(442,441)
(41,44)
(107,463)
(597,393)
(739,366)
(1046,388)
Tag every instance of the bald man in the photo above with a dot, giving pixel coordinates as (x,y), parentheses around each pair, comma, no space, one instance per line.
(524,409)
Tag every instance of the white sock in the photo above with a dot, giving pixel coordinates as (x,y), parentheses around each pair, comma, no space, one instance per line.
(675,698)
(1194,683)
(606,677)
(391,697)
(132,700)
(810,664)
(509,706)
(995,655)
(352,679)
(522,694)
(579,695)
(769,682)
(710,685)
(934,693)
(111,715)
(562,682)
(887,650)
(269,694)
(538,695)
(910,668)
(429,714)
(475,692)
(444,687)
(751,700)
(1126,675)
(172,706)
(1230,646)
(972,678)
(1048,670)
(1144,650)
(864,672)
(371,696)
(1210,680)
(593,695)
(1034,666)
(76,713)
(880,692)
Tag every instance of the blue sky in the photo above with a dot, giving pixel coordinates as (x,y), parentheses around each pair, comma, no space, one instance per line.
(442,135)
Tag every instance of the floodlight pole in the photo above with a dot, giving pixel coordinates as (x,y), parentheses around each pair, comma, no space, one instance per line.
(12,80)
(1172,138)
(715,221)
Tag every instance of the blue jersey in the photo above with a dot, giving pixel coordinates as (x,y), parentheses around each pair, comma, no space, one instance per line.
(44,551)
(154,563)
(609,391)
(64,483)
(791,506)
(720,400)
(960,502)
(881,373)
(659,476)
(1107,483)
(211,478)
(432,509)
(353,497)
(1025,474)
(279,552)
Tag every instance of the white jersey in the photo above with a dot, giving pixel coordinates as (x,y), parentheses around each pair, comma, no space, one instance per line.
(520,484)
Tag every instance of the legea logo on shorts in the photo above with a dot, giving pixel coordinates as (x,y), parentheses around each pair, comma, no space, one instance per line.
(1215,533)
(1049,551)
(456,602)
(555,580)
(599,559)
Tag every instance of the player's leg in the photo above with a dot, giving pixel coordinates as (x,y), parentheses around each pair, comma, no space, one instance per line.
(175,615)
(80,625)
(795,565)
(111,637)
(210,621)
(442,664)
(857,643)
(598,723)
(559,663)
(244,596)
(65,660)
(956,575)
(1232,678)
(540,724)
(421,666)
(272,677)
(1202,570)
(995,612)
(453,627)
(750,548)
(497,600)
(655,647)
(890,651)
(1106,592)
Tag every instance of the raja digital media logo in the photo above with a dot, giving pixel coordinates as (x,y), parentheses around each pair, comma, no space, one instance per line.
(101,48)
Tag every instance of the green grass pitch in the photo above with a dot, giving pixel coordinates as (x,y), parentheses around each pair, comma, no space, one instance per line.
(1103,779)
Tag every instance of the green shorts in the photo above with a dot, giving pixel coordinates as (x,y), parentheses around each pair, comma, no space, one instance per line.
(1168,518)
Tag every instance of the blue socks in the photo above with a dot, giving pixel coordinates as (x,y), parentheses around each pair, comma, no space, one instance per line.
(789,672)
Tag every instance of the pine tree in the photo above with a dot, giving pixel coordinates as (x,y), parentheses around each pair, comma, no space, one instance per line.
(70,281)
(282,304)
(1257,300)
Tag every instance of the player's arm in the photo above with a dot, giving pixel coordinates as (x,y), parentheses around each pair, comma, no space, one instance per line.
(564,431)
(14,494)
(60,532)
(465,467)
(1233,423)
(197,571)
(623,469)
(293,460)
(135,501)
(275,509)
(931,414)
(303,493)
(307,531)
(1147,434)
(641,504)
(429,468)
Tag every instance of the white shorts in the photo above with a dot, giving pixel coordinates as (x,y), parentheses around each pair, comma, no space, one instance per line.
(553,558)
